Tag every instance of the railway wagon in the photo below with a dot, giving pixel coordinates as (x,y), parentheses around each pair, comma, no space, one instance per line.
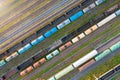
(10,73)
(68,44)
(14,48)
(75,39)
(115,46)
(111,10)
(2,62)
(39,62)
(98,2)
(85,58)
(9,58)
(39,55)
(102,55)
(98,18)
(25,64)
(107,19)
(54,45)
(43,30)
(117,12)
(69,37)
(73,11)
(76,15)
(36,64)
(52,54)
(58,20)
(81,36)
(117,68)
(107,75)
(88,8)
(61,48)
(37,40)
(25,48)
(63,24)
(50,32)
(64,72)
(86,65)
(29,39)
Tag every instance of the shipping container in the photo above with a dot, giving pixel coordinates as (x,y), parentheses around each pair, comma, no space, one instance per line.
(107,19)
(29,69)
(117,12)
(82,35)
(76,39)
(88,31)
(23,73)
(103,54)
(76,16)
(85,58)
(36,64)
(68,44)
(62,48)
(64,72)
(49,56)
(2,62)
(63,24)
(25,64)
(98,2)
(86,65)
(94,27)
(115,46)
(55,52)
(43,60)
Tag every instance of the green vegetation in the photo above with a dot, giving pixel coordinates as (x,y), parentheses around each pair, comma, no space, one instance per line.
(98,71)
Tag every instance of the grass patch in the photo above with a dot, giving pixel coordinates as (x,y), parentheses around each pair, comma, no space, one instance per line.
(98,71)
